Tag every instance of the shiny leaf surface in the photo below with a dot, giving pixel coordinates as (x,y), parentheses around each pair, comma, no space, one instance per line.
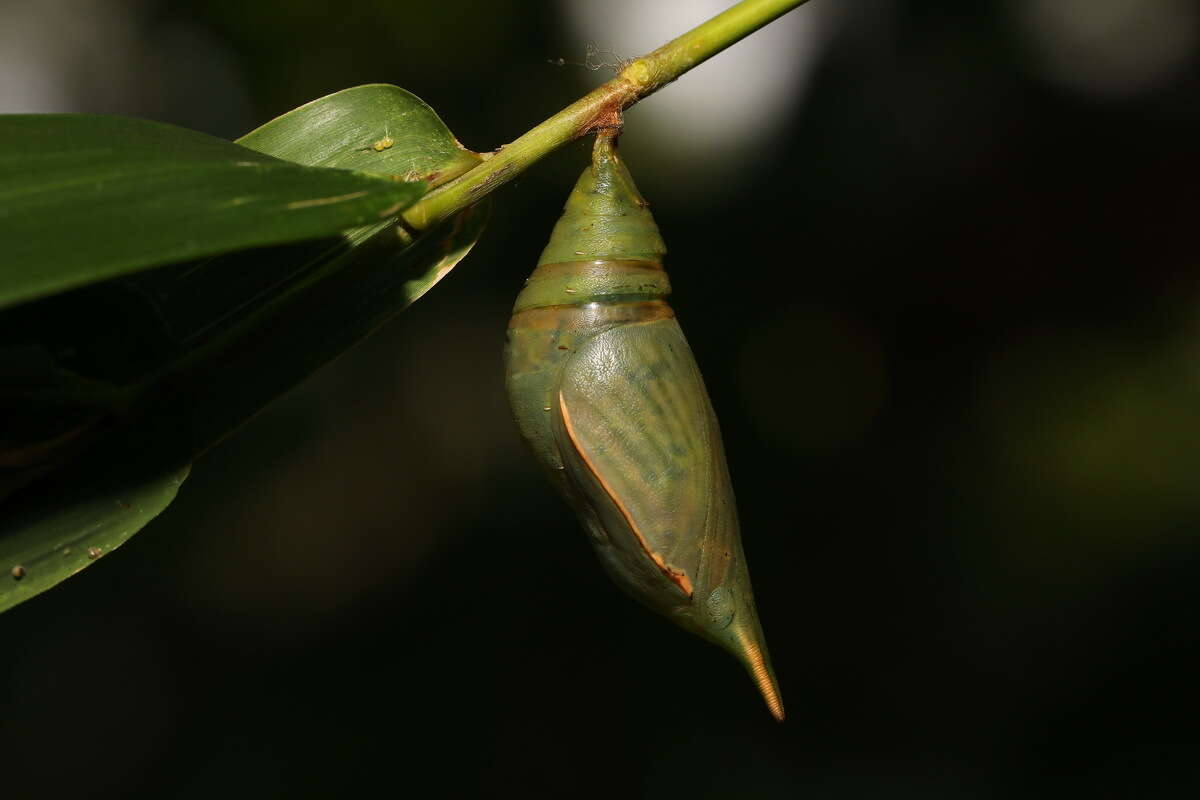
(85,198)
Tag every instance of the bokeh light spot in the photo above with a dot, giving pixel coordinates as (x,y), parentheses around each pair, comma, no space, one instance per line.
(1111,46)
(721,118)
(1098,440)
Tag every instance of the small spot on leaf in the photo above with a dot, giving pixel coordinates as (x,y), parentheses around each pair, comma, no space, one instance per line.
(17,572)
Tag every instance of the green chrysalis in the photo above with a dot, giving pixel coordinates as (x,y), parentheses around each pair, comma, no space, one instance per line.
(606,392)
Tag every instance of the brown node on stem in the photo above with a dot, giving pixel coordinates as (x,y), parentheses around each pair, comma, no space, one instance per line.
(608,118)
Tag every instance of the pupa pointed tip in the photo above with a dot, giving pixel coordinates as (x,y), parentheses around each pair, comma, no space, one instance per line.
(758,665)
(776,707)
(770,693)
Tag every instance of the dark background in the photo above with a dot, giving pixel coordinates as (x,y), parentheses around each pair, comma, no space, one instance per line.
(945,299)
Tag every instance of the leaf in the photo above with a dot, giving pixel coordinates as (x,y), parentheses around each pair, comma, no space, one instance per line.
(376,128)
(85,198)
(135,376)
(36,554)
(243,351)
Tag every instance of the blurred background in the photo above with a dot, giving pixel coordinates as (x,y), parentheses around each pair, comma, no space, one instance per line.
(938,264)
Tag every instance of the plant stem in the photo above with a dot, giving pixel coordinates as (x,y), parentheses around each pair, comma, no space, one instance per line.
(600,108)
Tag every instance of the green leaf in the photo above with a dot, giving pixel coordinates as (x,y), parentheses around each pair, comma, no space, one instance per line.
(40,551)
(375,128)
(245,346)
(85,198)
(135,376)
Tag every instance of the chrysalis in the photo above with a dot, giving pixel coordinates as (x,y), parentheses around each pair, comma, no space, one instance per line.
(606,392)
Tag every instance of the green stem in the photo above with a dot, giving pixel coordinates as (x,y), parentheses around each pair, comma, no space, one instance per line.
(600,108)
